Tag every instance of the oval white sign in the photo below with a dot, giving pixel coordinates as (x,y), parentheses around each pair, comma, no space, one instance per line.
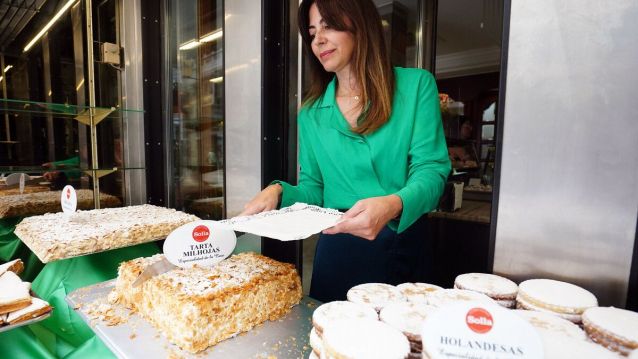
(204,243)
(477,330)
(69,199)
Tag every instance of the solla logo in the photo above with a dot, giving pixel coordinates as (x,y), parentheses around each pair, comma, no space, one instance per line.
(68,193)
(479,320)
(201,233)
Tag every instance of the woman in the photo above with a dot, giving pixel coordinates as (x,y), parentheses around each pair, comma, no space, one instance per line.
(370,142)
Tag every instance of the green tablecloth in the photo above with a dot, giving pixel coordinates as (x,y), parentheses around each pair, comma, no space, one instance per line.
(11,248)
(64,334)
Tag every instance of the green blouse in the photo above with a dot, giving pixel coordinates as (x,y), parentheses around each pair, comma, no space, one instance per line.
(407,156)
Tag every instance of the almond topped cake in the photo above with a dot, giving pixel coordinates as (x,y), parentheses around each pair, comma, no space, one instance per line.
(29,204)
(55,236)
(198,307)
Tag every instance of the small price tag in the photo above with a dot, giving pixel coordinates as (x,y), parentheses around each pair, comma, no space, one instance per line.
(21,185)
(204,243)
(69,200)
(479,331)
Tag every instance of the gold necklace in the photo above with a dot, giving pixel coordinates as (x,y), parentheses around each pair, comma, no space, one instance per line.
(356,97)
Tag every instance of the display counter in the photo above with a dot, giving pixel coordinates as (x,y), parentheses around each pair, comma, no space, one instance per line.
(127,335)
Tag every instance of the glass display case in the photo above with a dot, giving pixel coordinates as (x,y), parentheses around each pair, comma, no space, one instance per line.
(62,119)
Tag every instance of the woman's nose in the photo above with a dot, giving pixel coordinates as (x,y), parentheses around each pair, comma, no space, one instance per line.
(319,37)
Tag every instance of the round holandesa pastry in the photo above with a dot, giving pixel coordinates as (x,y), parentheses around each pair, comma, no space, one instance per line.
(417,292)
(501,289)
(315,343)
(523,305)
(616,329)
(408,318)
(565,299)
(375,295)
(448,296)
(331,311)
(365,339)
(552,324)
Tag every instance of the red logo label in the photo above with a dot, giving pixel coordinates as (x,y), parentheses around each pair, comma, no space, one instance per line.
(479,320)
(201,233)
(68,193)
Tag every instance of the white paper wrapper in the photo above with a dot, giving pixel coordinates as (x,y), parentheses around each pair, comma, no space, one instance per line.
(296,222)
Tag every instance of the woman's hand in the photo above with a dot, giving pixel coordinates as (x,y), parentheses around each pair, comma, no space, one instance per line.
(266,200)
(368,216)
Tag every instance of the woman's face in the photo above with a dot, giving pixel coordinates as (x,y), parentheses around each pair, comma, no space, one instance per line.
(333,48)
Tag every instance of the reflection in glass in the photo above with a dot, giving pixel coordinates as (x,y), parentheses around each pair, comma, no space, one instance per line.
(487,132)
(44,128)
(489,115)
(196,66)
(400,19)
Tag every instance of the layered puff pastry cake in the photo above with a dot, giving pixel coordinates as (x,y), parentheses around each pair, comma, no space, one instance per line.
(30,204)
(198,307)
(16,303)
(56,236)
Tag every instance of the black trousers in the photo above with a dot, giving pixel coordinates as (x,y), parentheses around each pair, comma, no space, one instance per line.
(343,260)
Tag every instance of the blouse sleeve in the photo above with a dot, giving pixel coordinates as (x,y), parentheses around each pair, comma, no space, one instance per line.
(309,188)
(429,164)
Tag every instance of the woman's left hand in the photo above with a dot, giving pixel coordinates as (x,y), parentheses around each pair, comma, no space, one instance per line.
(368,216)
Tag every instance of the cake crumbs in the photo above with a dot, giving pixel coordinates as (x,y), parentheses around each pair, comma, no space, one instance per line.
(105,313)
(132,336)
(173,354)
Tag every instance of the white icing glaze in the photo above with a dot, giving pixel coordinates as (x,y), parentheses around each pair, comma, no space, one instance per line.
(375,295)
(557,293)
(4,267)
(489,284)
(364,338)
(621,324)
(560,347)
(574,318)
(552,324)
(509,304)
(417,292)
(406,317)
(36,304)
(328,312)
(449,296)
(315,341)
(12,289)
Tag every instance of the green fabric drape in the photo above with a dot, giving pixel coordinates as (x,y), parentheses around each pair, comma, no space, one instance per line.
(11,247)
(64,334)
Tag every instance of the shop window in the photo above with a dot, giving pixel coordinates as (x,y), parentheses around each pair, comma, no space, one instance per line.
(197,82)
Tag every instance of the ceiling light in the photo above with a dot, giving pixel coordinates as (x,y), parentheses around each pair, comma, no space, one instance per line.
(191,44)
(9,67)
(49,24)
(212,36)
(217,79)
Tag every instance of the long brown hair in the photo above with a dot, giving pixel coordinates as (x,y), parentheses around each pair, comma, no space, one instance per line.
(370,59)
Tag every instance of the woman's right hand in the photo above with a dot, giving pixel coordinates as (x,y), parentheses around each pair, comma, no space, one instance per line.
(266,200)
